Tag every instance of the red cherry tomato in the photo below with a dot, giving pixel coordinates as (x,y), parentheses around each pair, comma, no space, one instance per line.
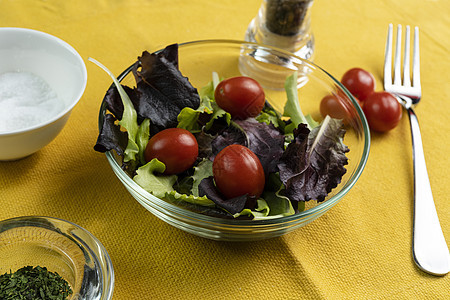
(333,106)
(337,107)
(360,83)
(237,171)
(382,111)
(242,97)
(177,148)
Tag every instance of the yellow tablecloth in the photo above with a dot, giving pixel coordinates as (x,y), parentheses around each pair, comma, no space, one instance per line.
(361,249)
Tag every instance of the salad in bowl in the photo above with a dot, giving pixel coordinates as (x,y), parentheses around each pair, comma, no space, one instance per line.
(222,151)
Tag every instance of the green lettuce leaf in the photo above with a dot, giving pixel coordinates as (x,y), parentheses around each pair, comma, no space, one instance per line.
(207,91)
(279,205)
(150,178)
(261,211)
(201,171)
(217,114)
(142,138)
(292,107)
(129,118)
(270,116)
(175,196)
(189,118)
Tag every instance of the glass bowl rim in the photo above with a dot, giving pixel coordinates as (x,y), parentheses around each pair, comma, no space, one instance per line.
(325,205)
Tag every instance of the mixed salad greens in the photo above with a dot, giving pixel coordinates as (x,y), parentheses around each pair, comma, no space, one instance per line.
(302,159)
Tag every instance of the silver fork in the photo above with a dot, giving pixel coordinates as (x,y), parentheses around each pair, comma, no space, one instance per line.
(430,250)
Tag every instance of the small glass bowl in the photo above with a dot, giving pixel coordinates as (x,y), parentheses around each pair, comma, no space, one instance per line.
(62,247)
(270,67)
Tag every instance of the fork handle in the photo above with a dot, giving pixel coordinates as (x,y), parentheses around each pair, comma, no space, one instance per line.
(430,250)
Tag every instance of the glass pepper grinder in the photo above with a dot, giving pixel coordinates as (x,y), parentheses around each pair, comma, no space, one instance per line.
(284,24)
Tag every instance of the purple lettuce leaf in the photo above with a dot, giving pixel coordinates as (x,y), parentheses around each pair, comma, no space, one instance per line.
(204,144)
(263,139)
(233,206)
(162,91)
(111,137)
(114,103)
(231,135)
(313,163)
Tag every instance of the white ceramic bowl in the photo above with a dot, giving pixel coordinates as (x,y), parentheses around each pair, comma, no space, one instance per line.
(57,63)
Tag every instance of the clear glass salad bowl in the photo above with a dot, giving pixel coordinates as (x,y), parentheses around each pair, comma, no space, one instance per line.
(270,67)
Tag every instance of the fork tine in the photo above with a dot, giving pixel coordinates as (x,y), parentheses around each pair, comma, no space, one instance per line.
(416,59)
(397,64)
(406,73)
(388,59)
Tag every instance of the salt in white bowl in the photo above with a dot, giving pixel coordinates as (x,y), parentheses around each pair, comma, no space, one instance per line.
(55,62)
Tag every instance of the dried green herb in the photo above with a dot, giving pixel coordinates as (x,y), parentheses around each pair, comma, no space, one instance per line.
(33,283)
(285,17)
